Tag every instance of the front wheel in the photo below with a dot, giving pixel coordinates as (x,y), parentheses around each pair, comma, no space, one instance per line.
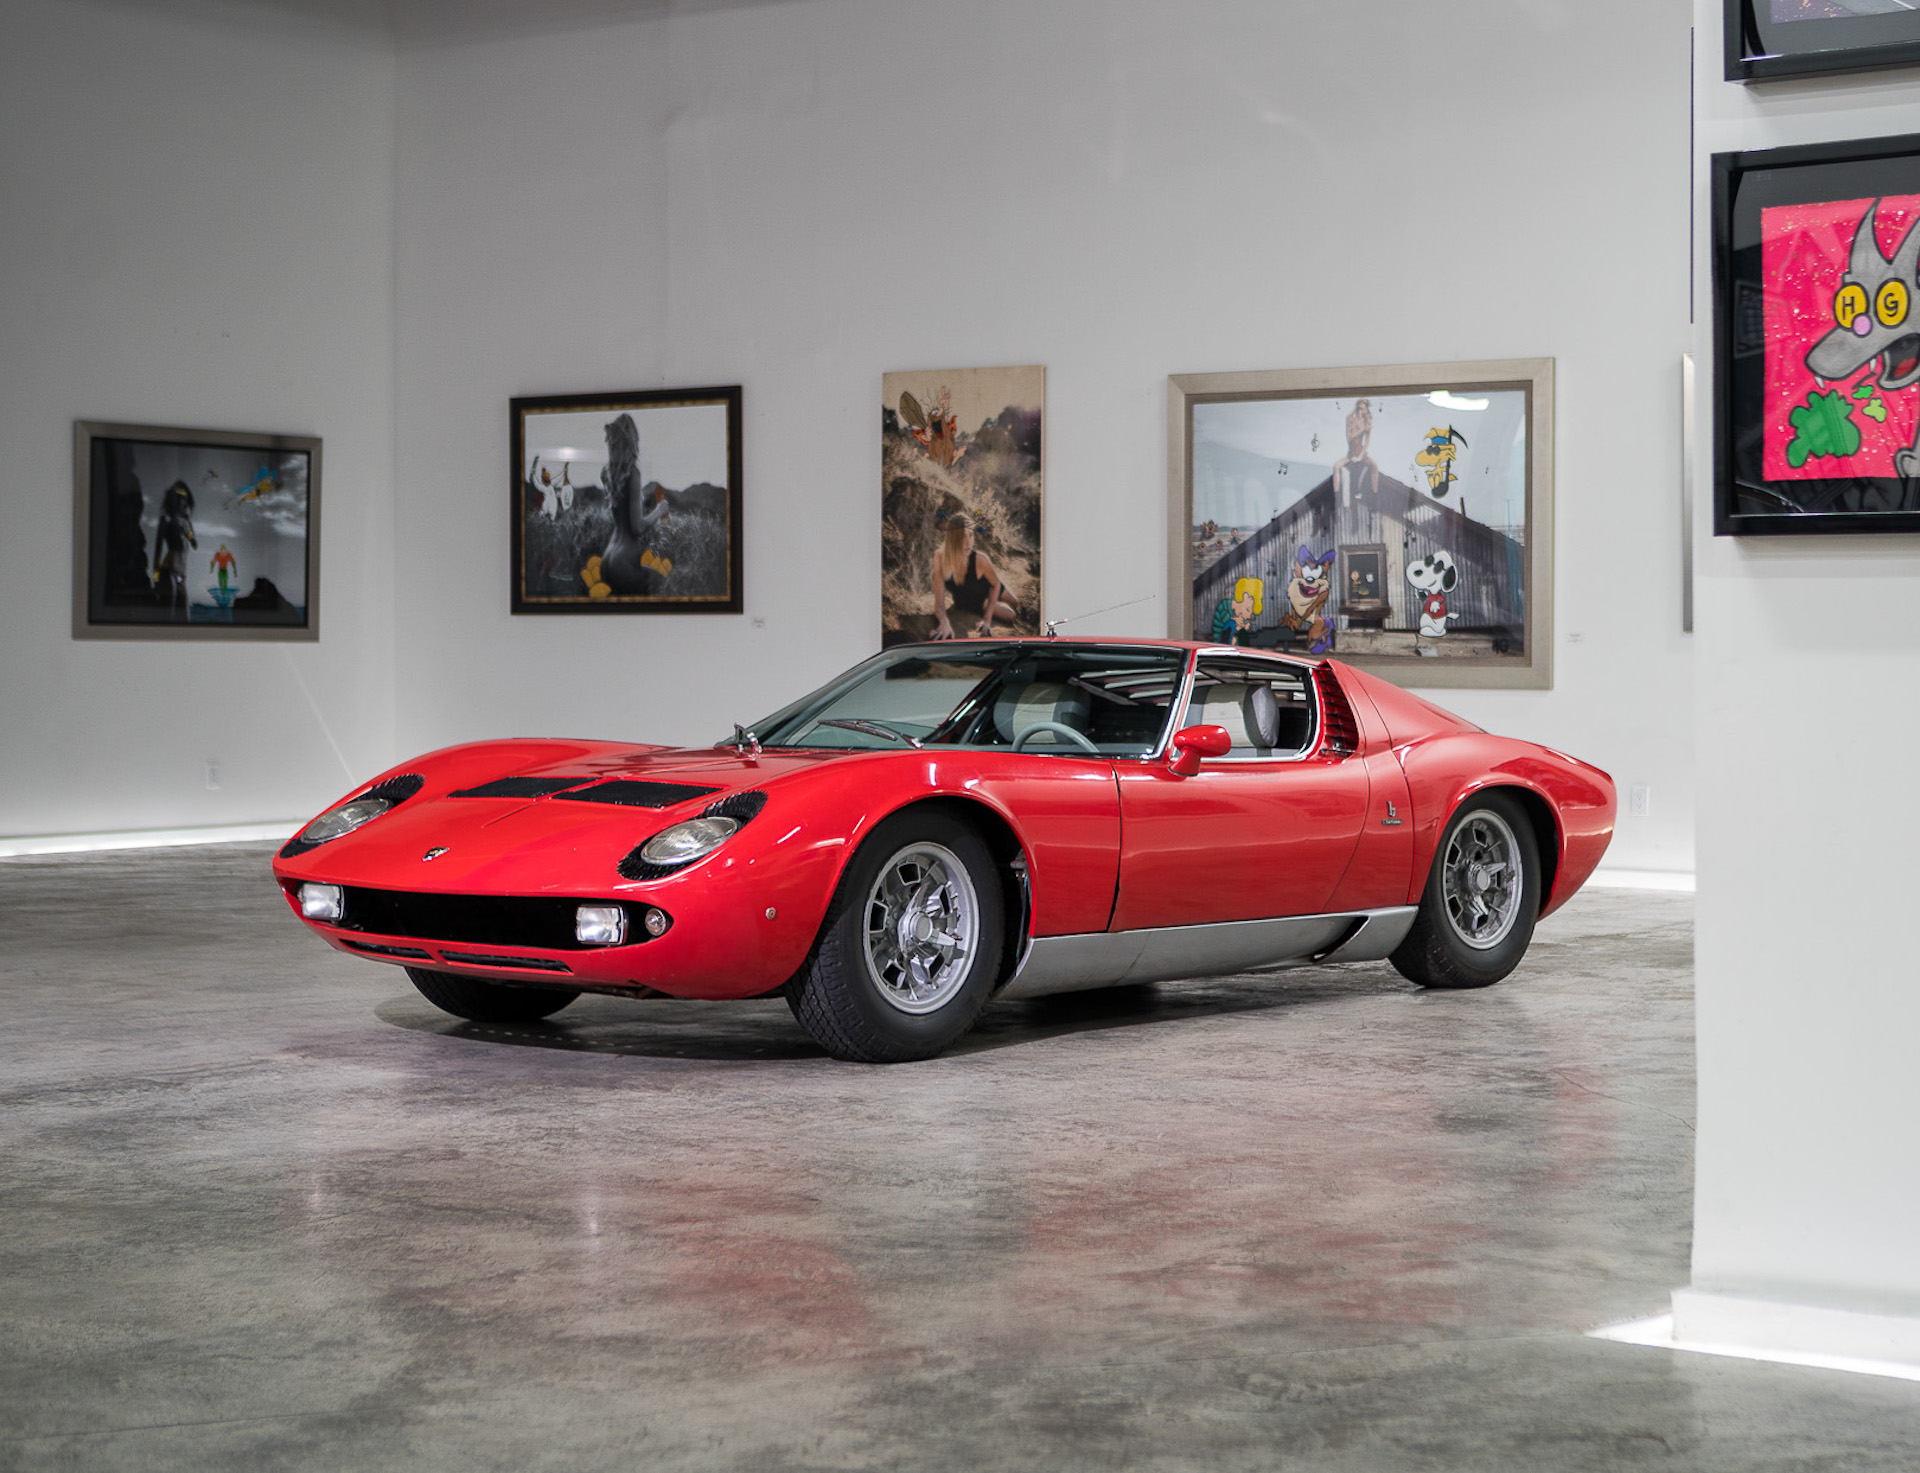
(910,948)
(488,1002)
(1481,901)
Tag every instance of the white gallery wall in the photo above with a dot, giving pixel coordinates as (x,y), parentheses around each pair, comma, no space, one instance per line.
(197,230)
(795,196)
(1807,1187)
(801,196)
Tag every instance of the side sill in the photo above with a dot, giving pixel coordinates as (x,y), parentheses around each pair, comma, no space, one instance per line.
(1170,953)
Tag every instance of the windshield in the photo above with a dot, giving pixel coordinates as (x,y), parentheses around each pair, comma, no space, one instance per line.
(1066,700)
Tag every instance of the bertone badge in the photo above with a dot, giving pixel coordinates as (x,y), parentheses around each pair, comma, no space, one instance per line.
(433,853)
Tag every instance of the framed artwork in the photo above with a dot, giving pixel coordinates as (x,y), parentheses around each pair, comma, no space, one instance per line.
(961,493)
(1399,518)
(1816,333)
(194,534)
(627,503)
(1791,38)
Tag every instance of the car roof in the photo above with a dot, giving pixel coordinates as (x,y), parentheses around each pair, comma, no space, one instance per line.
(1110,641)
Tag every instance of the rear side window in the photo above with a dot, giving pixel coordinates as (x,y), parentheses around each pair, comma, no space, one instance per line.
(1267,708)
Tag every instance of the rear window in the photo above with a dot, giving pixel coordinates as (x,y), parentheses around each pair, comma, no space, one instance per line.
(1267,708)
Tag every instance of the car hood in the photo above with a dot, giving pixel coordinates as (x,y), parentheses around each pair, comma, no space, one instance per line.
(560,843)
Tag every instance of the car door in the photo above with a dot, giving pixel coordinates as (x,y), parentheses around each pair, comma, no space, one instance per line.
(1266,830)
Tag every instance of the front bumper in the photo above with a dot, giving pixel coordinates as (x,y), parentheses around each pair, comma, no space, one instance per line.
(713,948)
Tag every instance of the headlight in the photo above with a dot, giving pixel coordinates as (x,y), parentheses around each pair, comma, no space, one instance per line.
(686,842)
(351,815)
(343,820)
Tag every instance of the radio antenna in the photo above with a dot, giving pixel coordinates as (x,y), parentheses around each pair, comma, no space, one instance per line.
(1053,625)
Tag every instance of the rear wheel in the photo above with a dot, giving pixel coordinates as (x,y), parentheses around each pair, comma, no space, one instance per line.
(910,948)
(1482,898)
(488,1002)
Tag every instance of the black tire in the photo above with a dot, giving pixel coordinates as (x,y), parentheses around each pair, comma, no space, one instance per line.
(1441,949)
(859,995)
(488,1002)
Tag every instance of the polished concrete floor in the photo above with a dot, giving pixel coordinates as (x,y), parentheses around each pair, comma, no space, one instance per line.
(262,1207)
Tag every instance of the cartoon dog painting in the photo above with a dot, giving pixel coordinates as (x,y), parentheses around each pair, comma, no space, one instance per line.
(1308,593)
(1871,310)
(1435,577)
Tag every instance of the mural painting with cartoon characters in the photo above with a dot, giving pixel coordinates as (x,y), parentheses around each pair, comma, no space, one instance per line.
(1396,524)
(961,474)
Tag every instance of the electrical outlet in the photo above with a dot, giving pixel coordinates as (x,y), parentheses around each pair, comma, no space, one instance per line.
(1641,800)
(213,775)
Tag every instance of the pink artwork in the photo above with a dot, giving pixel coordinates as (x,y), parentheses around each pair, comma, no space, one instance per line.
(1842,337)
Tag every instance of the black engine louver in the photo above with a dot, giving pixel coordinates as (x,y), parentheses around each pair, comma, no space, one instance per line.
(1340,732)
(396,790)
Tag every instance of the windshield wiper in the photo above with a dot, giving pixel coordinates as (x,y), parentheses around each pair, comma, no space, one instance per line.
(744,741)
(871,728)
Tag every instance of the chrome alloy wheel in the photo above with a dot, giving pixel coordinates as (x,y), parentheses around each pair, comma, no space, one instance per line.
(922,927)
(1480,880)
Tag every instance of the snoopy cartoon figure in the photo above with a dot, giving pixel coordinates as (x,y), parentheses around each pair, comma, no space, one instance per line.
(1435,576)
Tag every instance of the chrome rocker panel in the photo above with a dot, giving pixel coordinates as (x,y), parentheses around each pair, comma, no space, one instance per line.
(1170,953)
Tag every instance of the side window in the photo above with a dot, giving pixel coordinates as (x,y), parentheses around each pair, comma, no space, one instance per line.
(1266,708)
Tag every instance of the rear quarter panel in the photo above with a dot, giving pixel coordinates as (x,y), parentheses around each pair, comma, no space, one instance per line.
(1444,771)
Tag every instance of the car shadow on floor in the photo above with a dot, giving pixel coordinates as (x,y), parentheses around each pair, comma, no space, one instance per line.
(763,1029)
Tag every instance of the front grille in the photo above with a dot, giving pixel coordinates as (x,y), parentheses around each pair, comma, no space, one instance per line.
(518,963)
(396,790)
(1342,732)
(412,953)
(628,793)
(477,920)
(521,787)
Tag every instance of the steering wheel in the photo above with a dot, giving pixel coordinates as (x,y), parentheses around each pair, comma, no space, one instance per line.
(1059,728)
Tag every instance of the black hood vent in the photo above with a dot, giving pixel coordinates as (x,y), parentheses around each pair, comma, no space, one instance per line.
(521,787)
(742,806)
(627,793)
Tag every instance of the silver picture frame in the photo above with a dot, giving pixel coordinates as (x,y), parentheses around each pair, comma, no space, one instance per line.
(260,490)
(1504,641)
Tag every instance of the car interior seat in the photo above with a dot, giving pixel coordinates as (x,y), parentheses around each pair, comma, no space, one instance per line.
(1019,705)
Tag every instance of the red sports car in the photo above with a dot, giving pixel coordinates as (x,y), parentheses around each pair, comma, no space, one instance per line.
(947,823)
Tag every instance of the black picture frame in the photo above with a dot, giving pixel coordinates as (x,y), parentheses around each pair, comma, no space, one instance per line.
(1759,48)
(1772,398)
(648,546)
(194,534)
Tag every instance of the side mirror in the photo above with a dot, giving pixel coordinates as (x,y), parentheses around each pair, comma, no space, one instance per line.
(1191,743)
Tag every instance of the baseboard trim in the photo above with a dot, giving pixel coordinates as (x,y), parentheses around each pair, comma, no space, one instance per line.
(233,833)
(1786,1334)
(1641,879)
